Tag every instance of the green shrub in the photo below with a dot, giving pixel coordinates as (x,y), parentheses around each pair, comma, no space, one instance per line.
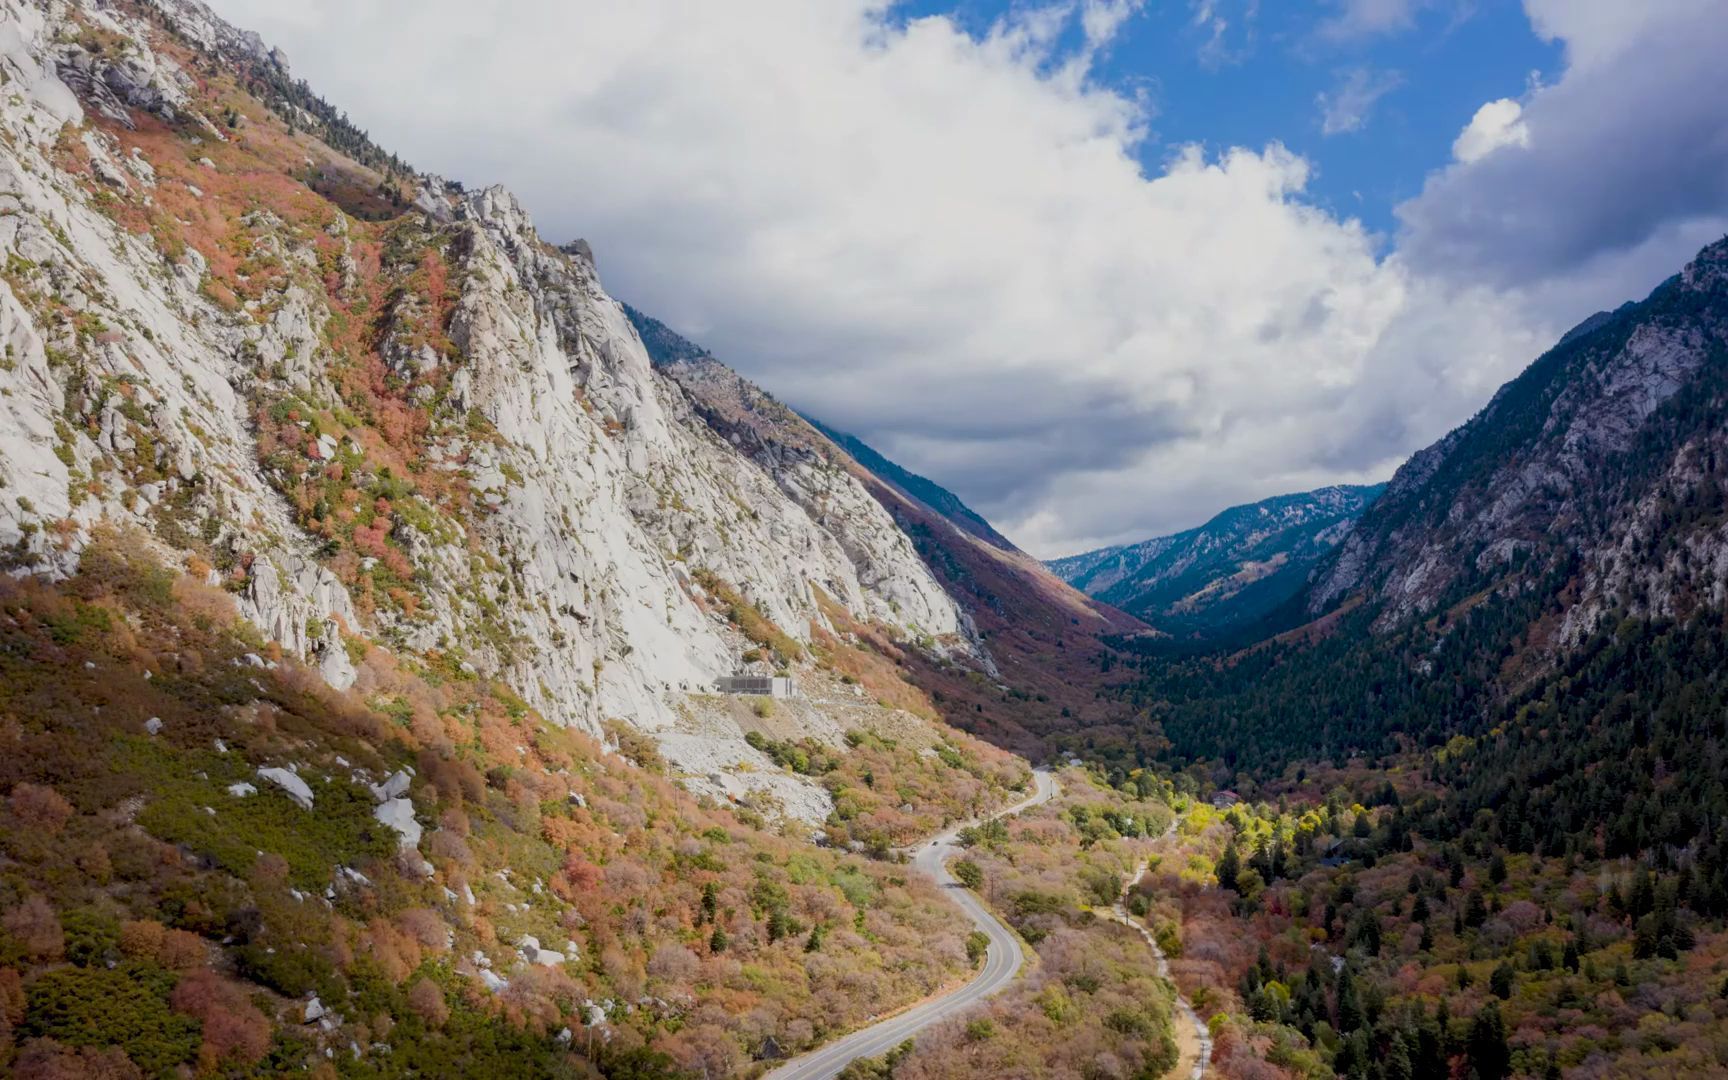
(125,1006)
(977,946)
(969,874)
(92,937)
(292,970)
(339,831)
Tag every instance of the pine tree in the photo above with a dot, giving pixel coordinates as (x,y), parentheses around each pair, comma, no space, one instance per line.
(1500,983)
(1229,867)
(1490,1055)
(1396,1064)
(1475,909)
(1349,1005)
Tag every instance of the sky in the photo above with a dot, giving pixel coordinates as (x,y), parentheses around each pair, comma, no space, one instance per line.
(1101,267)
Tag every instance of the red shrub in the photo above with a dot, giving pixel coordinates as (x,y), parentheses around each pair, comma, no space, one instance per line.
(234,1029)
(39,807)
(36,928)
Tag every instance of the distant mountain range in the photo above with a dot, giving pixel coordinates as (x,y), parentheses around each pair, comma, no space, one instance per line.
(1236,568)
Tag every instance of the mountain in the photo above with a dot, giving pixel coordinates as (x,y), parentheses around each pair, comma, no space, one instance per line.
(1236,568)
(378,407)
(913,486)
(665,345)
(669,349)
(1037,639)
(1587,498)
(1573,533)
(366,590)
(1601,467)
(1494,741)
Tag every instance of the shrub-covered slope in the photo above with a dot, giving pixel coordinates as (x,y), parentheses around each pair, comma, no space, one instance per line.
(212,858)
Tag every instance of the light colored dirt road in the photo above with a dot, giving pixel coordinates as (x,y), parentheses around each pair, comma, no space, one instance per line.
(1193,1038)
(1001,963)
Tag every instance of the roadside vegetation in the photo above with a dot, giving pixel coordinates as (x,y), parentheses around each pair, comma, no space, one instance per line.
(163,905)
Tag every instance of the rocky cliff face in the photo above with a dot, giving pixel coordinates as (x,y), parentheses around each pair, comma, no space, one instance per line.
(374,405)
(1236,567)
(811,471)
(1600,470)
(1032,651)
(918,488)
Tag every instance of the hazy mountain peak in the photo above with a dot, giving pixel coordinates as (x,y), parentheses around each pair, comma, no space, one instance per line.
(1242,564)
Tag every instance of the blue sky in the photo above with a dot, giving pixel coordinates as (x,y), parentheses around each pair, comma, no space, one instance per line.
(1261,80)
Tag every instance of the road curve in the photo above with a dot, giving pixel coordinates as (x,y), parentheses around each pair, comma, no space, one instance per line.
(1001,963)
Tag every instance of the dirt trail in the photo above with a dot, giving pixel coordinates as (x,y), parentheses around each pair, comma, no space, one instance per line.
(1193,1040)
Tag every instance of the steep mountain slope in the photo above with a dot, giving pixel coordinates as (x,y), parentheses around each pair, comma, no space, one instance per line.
(214,859)
(913,486)
(1602,464)
(1048,641)
(1037,661)
(1235,568)
(668,348)
(821,480)
(1576,528)
(364,588)
(375,406)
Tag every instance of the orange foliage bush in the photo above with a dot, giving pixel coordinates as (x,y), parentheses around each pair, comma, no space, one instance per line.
(234,1029)
(37,806)
(428,1003)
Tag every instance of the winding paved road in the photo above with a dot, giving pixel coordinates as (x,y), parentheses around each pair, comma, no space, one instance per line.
(1001,963)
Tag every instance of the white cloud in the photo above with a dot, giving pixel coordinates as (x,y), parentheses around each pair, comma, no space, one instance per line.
(944,242)
(1228,26)
(1368,18)
(1347,106)
(1101,19)
(1623,166)
(1496,124)
(1597,31)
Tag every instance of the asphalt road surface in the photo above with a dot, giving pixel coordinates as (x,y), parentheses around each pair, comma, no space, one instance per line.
(1001,963)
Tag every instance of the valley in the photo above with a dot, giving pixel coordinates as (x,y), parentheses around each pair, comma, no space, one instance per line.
(416,662)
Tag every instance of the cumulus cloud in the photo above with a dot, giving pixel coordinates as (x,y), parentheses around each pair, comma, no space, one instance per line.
(1347,106)
(948,242)
(1496,124)
(1621,167)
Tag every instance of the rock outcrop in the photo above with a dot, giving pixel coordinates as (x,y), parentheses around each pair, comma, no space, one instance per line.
(374,407)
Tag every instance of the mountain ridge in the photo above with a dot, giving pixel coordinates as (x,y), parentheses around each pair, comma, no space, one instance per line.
(1036,638)
(1590,445)
(1243,563)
